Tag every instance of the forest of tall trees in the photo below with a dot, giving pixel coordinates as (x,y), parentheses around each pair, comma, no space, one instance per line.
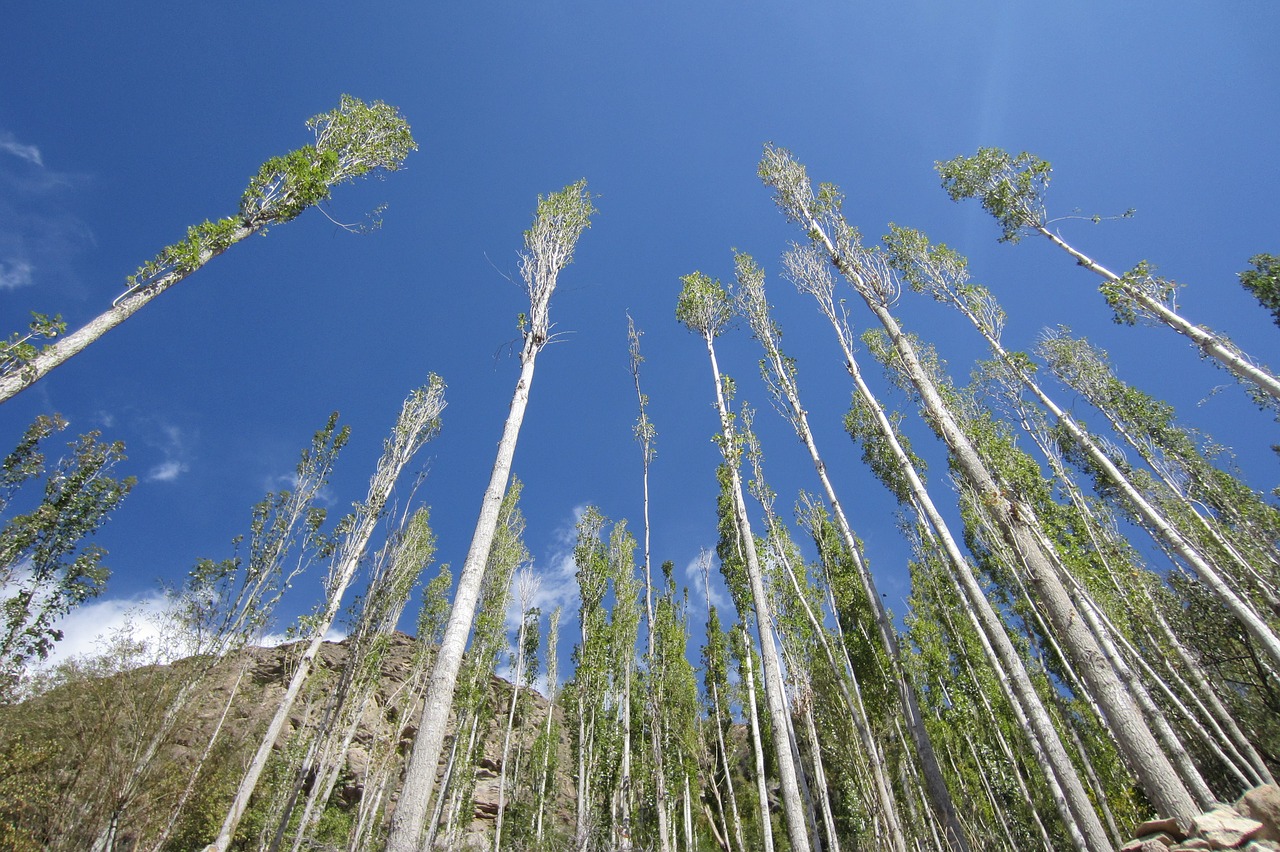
(1092,636)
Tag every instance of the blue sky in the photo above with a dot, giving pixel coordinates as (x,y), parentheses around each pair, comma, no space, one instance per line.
(120,126)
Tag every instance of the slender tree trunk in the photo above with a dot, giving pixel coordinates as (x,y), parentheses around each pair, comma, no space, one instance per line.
(124,307)
(273,197)
(751,280)
(857,713)
(820,779)
(624,784)
(688,815)
(728,773)
(645,434)
(762,788)
(511,721)
(559,222)
(553,634)
(437,811)
(793,807)
(1206,341)
(415,793)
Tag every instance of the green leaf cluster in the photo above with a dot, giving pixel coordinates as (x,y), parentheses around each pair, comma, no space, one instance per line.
(1011,189)
(1263,281)
(45,570)
(17,351)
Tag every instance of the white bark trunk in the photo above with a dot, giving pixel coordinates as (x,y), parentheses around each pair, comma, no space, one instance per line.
(506,739)
(21,378)
(420,775)
(762,788)
(1208,342)
(793,807)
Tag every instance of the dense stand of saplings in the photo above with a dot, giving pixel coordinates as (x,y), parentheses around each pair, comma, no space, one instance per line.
(1054,682)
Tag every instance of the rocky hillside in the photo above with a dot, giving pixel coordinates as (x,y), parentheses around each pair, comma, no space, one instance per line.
(69,758)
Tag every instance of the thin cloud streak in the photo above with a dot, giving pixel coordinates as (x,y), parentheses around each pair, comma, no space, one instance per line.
(9,144)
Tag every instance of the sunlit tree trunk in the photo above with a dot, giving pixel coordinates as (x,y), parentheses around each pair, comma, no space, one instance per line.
(527,587)
(553,635)
(715,673)
(704,309)
(757,747)
(646,434)
(549,243)
(351,141)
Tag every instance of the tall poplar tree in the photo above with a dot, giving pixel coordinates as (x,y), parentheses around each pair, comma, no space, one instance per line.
(1012,190)
(560,219)
(350,142)
(705,309)
(646,434)
(780,373)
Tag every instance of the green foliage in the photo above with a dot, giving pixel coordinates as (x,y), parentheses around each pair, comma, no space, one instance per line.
(26,789)
(729,549)
(877,454)
(44,570)
(435,607)
(560,219)
(821,214)
(704,306)
(351,141)
(1126,308)
(80,734)
(921,263)
(1263,281)
(1011,189)
(26,460)
(17,351)
(549,244)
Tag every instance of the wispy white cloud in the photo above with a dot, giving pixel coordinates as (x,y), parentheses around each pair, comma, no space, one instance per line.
(89,629)
(693,577)
(173,444)
(557,573)
(166,471)
(10,145)
(325,497)
(15,274)
(38,229)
